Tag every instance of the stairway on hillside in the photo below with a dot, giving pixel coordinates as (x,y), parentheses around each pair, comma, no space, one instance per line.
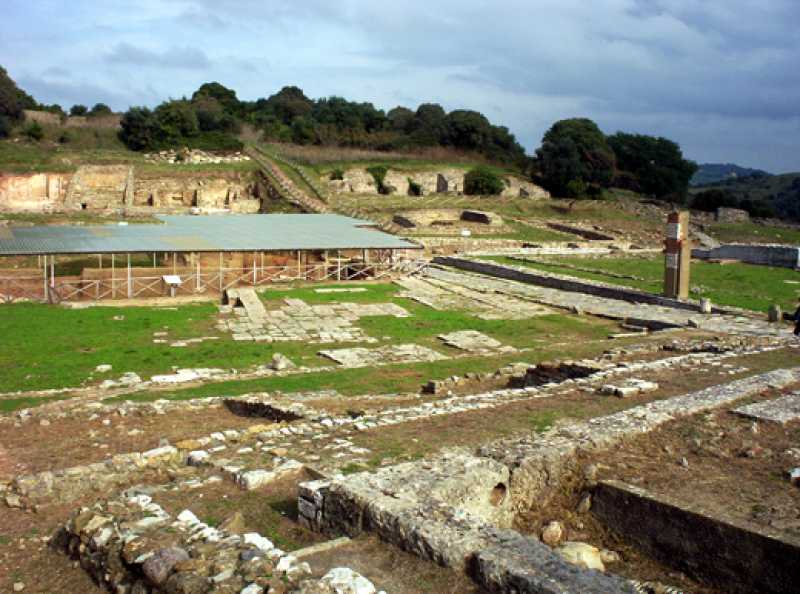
(289,190)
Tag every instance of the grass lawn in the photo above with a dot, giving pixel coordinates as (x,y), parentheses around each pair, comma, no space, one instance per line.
(399,378)
(43,347)
(738,285)
(753,233)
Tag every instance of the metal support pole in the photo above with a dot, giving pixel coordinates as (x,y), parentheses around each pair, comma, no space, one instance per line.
(53,272)
(154,259)
(100,261)
(130,281)
(338,265)
(221,281)
(299,266)
(44,269)
(113,285)
(255,270)
(197,283)
(174,262)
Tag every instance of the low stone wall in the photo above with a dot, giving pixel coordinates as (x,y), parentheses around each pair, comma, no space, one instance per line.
(782,256)
(553,281)
(448,510)
(740,559)
(539,464)
(590,234)
(731,215)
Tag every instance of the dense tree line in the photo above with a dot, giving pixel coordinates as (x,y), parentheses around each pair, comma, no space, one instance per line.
(290,116)
(576,160)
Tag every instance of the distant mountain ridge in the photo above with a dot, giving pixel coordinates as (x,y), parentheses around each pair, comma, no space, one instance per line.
(712,173)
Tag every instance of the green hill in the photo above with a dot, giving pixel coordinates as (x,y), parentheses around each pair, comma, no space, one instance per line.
(781,192)
(712,173)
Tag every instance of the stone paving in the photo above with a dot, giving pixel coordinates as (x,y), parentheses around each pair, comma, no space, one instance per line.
(298,321)
(781,410)
(606,307)
(475,342)
(486,305)
(393,353)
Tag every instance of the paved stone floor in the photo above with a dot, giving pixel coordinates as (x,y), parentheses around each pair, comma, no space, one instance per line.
(487,305)
(296,320)
(394,353)
(604,307)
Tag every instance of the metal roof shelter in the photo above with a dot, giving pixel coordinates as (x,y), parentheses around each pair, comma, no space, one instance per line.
(209,233)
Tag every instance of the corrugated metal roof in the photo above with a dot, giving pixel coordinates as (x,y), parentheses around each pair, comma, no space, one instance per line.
(212,233)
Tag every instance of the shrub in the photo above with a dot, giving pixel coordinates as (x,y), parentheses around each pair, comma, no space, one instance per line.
(5,126)
(337,174)
(711,200)
(65,138)
(482,181)
(34,131)
(414,189)
(78,110)
(378,173)
(214,141)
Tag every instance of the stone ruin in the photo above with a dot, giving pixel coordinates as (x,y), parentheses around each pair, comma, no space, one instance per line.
(108,188)
(438,218)
(443,181)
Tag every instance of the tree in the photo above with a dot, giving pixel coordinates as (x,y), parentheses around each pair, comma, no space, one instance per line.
(78,110)
(177,120)
(289,103)
(575,149)
(400,119)
(100,109)
(13,100)
(428,125)
(139,129)
(224,96)
(483,181)
(657,164)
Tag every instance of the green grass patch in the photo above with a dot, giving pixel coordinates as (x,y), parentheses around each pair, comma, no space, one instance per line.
(42,346)
(753,233)
(580,336)
(738,285)
(10,405)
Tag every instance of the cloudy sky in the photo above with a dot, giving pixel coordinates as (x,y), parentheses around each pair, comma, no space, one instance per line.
(721,77)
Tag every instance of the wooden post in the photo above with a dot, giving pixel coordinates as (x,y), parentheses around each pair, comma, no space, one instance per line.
(113,286)
(338,265)
(174,262)
(130,278)
(197,283)
(255,270)
(100,261)
(678,255)
(53,271)
(154,260)
(44,268)
(299,266)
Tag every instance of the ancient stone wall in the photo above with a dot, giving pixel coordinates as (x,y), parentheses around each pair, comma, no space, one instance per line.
(732,215)
(783,256)
(443,181)
(33,192)
(46,118)
(115,187)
